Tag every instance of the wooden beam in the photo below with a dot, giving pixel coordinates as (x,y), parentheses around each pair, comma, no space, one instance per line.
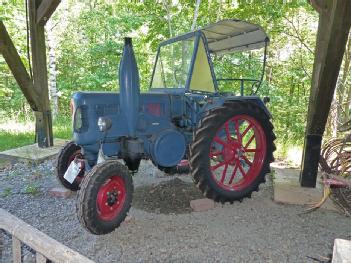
(45,10)
(40,77)
(13,60)
(333,29)
(39,241)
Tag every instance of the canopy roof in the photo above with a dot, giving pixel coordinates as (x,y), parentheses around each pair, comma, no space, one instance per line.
(232,35)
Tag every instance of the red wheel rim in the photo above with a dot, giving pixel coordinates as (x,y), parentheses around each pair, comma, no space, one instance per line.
(237,152)
(110,198)
(80,176)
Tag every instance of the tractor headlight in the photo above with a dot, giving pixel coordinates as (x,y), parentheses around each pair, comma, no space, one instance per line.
(104,124)
(77,120)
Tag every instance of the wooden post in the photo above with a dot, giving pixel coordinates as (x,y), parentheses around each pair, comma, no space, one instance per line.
(13,60)
(16,250)
(40,78)
(2,241)
(333,28)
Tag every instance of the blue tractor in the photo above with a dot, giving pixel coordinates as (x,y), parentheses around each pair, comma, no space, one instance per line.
(227,137)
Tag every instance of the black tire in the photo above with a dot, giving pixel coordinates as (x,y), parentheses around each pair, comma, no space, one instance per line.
(88,197)
(64,158)
(200,161)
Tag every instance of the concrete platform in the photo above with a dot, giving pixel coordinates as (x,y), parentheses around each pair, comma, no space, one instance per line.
(342,251)
(287,189)
(33,152)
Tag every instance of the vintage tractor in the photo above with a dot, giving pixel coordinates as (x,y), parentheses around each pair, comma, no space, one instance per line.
(226,137)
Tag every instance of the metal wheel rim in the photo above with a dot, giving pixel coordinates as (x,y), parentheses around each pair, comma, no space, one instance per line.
(231,154)
(109,207)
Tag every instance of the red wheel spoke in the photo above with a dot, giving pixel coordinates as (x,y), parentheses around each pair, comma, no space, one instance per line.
(238,149)
(227,131)
(219,140)
(234,173)
(247,160)
(246,130)
(252,150)
(224,172)
(242,170)
(238,135)
(217,165)
(248,143)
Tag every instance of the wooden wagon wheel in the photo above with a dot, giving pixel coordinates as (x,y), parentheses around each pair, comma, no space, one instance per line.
(336,160)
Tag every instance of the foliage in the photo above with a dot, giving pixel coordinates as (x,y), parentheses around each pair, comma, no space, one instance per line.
(25,134)
(89,37)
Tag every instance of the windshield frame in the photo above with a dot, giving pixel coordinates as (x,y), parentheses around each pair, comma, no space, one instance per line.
(197,35)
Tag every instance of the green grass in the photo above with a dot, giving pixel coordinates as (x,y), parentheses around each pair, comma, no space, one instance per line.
(13,139)
(10,140)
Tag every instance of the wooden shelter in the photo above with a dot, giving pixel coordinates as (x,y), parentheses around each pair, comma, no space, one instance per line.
(34,89)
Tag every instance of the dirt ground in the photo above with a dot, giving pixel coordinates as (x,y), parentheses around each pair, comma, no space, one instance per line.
(162,228)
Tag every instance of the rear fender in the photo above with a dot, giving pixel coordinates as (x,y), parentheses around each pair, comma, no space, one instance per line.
(219,102)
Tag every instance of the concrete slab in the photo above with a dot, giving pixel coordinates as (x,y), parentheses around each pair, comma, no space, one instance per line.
(287,189)
(33,152)
(342,251)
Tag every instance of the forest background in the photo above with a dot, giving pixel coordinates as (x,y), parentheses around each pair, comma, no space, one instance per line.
(85,41)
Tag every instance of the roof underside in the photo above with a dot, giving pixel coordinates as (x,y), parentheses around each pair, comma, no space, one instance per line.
(228,36)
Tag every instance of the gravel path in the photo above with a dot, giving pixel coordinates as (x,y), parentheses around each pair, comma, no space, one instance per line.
(256,230)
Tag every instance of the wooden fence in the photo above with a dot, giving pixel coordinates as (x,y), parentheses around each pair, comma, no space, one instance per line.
(46,248)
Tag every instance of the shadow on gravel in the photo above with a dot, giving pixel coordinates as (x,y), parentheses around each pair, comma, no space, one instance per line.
(168,197)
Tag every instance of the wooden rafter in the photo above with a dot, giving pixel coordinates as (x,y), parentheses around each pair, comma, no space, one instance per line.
(13,60)
(45,10)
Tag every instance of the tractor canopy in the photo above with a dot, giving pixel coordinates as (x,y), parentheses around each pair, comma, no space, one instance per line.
(185,62)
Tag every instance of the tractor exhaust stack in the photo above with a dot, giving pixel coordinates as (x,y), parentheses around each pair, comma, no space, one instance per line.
(129,87)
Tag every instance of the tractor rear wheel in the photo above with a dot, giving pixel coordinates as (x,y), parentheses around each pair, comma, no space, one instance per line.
(64,158)
(231,151)
(105,197)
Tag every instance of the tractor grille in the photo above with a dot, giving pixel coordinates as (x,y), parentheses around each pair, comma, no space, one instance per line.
(106,109)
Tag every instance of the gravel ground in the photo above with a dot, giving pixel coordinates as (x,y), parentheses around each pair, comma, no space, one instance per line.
(255,230)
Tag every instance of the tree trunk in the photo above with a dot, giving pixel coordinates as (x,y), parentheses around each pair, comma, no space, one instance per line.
(196,14)
(52,68)
(334,116)
(342,91)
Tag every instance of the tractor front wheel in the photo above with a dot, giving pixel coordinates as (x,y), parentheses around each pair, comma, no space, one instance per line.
(67,154)
(231,151)
(105,197)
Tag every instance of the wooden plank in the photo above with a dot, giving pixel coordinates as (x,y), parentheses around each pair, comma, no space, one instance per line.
(40,258)
(333,28)
(40,242)
(13,60)
(40,78)
(16,250)
(2,240)
(45,10)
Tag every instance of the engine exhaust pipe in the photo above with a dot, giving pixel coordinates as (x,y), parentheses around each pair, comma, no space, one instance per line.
(129,87)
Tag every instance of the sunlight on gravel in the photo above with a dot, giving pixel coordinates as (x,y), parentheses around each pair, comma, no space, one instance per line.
(255,230)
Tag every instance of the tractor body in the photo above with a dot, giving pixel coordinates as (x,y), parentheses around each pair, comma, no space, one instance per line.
(163,129)
(159,124)
(226,137)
